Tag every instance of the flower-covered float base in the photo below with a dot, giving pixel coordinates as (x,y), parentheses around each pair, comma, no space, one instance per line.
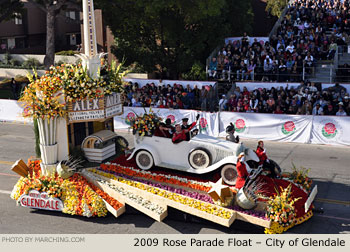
(111,186)
(76,195)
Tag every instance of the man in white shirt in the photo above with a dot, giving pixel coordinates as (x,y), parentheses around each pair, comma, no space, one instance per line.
(341,112)
(290,48)
(222,103)
(317,110)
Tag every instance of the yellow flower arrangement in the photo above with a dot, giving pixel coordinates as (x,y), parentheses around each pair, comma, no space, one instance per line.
(47,96)
(146,124)
(280,209)
(300,177)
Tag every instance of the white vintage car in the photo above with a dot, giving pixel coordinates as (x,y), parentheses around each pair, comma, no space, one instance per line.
(202,154)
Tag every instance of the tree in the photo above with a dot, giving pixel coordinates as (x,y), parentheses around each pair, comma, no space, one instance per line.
(8,8)
(169,36)
(52,9)
(276,7)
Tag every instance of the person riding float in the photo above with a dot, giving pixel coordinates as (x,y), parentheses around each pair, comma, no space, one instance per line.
(181,134)
(264,161)
(243,171)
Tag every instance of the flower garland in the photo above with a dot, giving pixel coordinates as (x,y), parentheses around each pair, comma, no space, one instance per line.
(174,180)
(47,96)
(197,204)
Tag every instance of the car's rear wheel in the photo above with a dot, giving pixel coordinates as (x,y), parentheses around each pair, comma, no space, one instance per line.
(229,174)
(199,158)
(144,160)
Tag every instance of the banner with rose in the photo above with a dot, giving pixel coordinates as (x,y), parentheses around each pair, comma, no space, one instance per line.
(331,130)
(284,128)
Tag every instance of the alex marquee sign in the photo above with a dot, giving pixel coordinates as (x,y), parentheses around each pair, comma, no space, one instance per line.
(95,109)
(35,199)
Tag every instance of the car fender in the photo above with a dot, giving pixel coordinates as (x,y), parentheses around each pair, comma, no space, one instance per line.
(217,165)
(148,148)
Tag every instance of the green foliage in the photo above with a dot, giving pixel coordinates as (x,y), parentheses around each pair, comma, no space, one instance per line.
(31,63)
(37,140)
(275,7)
(7,58)
(67,53)
(169,36)
(197,72)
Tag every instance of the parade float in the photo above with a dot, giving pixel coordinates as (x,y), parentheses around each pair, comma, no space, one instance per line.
(275,204)
(69,96)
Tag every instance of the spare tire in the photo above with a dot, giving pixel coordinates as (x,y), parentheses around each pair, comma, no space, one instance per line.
(229,174)
(199,158)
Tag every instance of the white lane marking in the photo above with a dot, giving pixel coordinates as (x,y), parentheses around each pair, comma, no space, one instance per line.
(5,192)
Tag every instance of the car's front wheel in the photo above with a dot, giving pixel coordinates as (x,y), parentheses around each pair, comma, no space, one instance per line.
(144,160)
(229,174)
(199,158)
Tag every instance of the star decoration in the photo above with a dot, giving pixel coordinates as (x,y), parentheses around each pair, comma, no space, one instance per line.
(219,190)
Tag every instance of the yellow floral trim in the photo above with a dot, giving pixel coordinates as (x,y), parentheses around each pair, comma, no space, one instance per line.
(276,228)
(197,204)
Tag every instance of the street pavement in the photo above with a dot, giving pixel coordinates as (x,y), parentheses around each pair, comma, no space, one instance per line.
(329,168)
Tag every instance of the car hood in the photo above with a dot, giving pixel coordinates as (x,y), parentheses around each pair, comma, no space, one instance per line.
(217,142)
(226,147)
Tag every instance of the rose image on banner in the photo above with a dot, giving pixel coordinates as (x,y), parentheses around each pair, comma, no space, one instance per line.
(171,117)
(288,128)
(130,117)
(240,125)
(203,124)
(329,130)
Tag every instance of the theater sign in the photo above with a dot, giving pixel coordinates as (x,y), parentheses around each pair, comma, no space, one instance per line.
(97,109)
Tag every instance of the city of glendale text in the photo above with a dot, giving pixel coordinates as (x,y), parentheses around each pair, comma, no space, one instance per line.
(235,242)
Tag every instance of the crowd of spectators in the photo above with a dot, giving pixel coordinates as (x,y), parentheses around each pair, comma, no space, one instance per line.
(310,31)
(306,99)
(167,96)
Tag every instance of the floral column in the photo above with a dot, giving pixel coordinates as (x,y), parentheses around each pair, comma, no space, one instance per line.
(48,144)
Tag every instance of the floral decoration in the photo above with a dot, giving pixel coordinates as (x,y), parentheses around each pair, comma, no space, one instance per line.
(280,207)
(47,96)
(198,204)
(146,124)
(77,196)
(300,177)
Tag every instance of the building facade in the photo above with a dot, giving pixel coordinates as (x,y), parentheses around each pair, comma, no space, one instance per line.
(26,34)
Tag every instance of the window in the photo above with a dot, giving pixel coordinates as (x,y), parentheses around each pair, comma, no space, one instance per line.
(70,14)
(20,42)
(18,19)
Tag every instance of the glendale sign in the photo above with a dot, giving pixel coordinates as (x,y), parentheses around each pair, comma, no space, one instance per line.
(35,199)
(95,109)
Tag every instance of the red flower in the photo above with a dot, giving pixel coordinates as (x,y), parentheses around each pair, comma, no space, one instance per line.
(330,128)
(240,124)
(289,126)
